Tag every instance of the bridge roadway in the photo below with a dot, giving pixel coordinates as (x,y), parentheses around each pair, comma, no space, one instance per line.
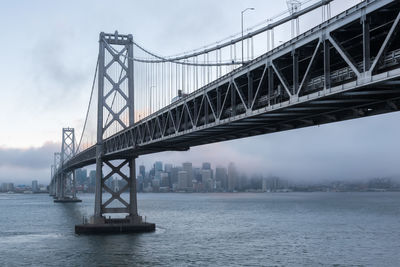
(348,67)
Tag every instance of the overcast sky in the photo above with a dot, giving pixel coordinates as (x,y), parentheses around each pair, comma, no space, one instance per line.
(49,51)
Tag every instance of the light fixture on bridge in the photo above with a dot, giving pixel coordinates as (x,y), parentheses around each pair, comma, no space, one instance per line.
(249,8)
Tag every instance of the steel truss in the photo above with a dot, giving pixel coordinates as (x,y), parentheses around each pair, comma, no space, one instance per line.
(348,67)
(55,184)
(65,180)
(121,45)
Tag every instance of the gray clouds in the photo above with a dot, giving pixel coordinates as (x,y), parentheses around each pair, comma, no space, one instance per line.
(30,158)
(354,149)
(23,165)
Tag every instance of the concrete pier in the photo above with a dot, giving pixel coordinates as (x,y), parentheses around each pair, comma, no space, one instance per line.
(115,226)
(67,200)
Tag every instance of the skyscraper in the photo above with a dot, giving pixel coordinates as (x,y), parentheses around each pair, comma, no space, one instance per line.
(92,180)
(174,174)
(81,176)
(232,177)
(187,167)
(165,179)
(182,180)
(206,180)
(35,187)
(206,166)
(168,167)
(142,171)
(158,166)
(221,177)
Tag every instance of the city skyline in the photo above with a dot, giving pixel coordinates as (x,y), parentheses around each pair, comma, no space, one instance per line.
(200,133)
(347,150)
(208,177)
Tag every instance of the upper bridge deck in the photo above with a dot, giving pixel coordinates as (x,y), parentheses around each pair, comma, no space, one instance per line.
(347,67)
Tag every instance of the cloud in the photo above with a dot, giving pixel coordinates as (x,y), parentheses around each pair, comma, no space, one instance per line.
(24,165)
(355,149)
(58,72)
(30,158)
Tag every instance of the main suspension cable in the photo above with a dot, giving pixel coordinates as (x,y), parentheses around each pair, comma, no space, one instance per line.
(90,101)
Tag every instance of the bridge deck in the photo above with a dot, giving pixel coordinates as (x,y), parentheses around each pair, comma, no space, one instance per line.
(345,68)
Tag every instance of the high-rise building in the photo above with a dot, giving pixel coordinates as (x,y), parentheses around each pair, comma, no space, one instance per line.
(168,168)
(115,184)
(221,177)
(142,171)
(264,185)
(81,176)
(206,166)
(10,187)
(3,187)
(92,181)
(164,179)
(206,180)
(158,166)
(174,174)
(187,167)
(182,180)
(232,177)
(139,183)
(35,186)
(196,174)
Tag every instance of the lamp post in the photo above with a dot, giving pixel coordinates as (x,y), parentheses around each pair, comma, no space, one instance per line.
(249,8)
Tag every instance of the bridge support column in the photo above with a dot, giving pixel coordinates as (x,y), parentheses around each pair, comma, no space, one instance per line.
(113,201)
(66,181)
(133,212)
(108,171)
(58,185)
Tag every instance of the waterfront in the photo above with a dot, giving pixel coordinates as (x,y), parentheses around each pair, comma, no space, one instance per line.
(279,229)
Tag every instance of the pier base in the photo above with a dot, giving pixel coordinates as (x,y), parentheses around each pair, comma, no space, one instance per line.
(114,226)
(67,200)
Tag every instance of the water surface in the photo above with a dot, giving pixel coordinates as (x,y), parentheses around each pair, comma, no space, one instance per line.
(272,229)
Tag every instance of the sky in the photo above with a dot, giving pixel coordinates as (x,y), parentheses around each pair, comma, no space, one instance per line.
(49,51)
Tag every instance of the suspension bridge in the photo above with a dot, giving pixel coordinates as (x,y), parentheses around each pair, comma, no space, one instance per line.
(346,67)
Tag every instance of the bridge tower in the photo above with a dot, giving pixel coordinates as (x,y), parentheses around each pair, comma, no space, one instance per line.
(115,50)
(56,178)
(52,191)
(66,181)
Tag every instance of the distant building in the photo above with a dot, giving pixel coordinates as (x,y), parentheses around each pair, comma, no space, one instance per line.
(187,167)
(139,183)
(206,180)
(81,176)
(182,180)
(6,187)
(168,168)
(158,166)
(156,185)
(232,177)
(164,179)
(3,187)
(92,181)
(221,177)
(35,186)
(206,166)
(174,174)
(264,185)
(142,171)
(115,184)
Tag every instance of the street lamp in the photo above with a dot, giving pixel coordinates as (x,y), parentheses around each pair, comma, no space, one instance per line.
(249,8)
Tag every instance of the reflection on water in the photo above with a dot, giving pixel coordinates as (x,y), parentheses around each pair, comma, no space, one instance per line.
(210,229)
(26,238)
